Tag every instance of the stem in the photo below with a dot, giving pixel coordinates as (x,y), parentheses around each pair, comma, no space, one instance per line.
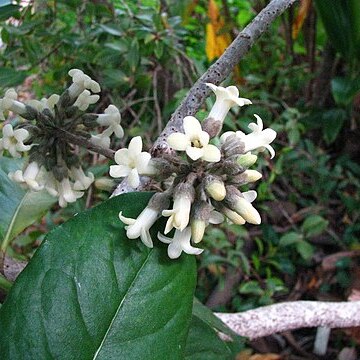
(219,71)
(82,141)
(5,284)
(285,316)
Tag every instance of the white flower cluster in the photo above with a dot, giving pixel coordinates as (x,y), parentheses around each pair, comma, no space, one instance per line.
(205,185)
(52,163)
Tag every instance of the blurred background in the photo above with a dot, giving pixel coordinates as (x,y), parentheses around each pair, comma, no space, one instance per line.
(303,77)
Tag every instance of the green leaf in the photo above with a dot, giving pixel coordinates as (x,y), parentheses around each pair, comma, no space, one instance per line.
(92,293)
(8,10)
(112,29)
(289,239)
(205,314)
(204,344)
(18,208)
(251,287)
(11,77)
(134,55)
(333,121)
(344,89)
(305,249)
(314,225)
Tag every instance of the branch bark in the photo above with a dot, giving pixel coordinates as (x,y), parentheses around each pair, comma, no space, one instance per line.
(280,317)
(220,70)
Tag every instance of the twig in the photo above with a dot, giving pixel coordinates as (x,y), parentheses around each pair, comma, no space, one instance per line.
(220,70)
(82,141)
(281,317)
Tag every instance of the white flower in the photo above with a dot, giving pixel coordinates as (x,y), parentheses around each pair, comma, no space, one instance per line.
(9,102)
(85,99)
(82,182)
(31,177)
(257,139)
(66,192)
(132,162)
(13,141)
(111,118)
(179,214)
(225,99)
(195,142)
(44,103)
(179,243)
(101,140)
(140,226)
(80,83)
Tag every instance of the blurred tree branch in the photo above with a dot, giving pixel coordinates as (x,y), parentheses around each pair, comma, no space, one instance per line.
(285,316)
(220,70)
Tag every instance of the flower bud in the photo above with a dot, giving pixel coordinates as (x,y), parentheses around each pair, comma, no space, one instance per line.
(247,211)
(215,188)
(252,175)
(237,202)
(197,230)
(246,160)
(105,184)
(232,216)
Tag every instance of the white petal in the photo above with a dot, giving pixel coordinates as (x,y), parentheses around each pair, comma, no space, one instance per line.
(164,239)
(169,224)
(204,138)
(142,161)
(126,220)
(216,217)
(146,238)
(133,178)
(250,195)
(194,153)
(135,146)
(192,126)
(21,134)
(119,131)
(122,157)
(211,153)
(178,141)
(174,250)
(8,130)
(117,171)
(271,150)
(233,91)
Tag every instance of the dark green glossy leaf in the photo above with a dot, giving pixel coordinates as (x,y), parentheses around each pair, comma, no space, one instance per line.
(205,314)
(91,293)
(204,343)
(18,208)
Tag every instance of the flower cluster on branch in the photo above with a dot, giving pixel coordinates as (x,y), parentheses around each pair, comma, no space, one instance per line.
(44,131)
(202,181)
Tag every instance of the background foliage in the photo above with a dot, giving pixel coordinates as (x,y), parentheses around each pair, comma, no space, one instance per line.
(303,79)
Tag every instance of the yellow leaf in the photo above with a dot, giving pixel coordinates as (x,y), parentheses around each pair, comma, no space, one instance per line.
(300,17)
(217,40)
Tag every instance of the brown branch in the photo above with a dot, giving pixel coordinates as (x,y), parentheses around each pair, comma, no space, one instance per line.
(220,70)
(281,317)
(82,141)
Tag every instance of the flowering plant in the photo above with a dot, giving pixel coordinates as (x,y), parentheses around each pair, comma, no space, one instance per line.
(199,181)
